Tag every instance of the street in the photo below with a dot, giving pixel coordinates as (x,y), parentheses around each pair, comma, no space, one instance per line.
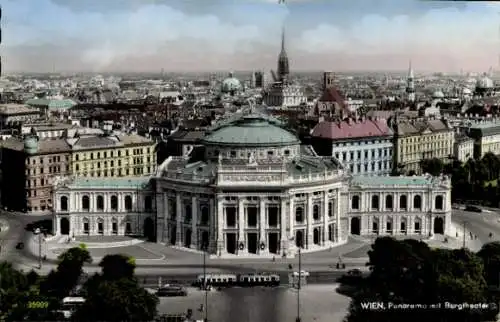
(320,303)
(156,259)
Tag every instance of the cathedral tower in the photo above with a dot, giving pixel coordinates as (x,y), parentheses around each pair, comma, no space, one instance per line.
(410,87)
(283,66)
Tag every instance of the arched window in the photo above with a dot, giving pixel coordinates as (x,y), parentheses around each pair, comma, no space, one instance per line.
(205,216)
(403,202)
(316,212)
(114,203)
(438,203)
(86,203)
(375,202)
(100,203)
(355,203)
(148,203)
(417,202)
(64,203)
(388,202)
(299,214)
(128,203)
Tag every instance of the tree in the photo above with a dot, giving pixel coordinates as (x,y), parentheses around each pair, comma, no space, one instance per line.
(61,282)
(432,166)
(410,272)
(115,295)
(115,267)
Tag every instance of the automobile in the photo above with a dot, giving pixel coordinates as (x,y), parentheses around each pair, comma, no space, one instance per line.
(172,290)
(473,208)
(354,272)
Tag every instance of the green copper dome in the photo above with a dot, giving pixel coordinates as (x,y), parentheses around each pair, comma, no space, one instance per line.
(251,131)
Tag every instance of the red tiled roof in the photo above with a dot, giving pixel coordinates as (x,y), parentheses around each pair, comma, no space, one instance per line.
(352,129)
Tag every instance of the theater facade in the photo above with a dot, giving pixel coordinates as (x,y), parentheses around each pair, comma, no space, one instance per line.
(252,189)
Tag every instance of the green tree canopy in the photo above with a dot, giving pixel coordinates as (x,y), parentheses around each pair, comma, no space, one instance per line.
(61,282)
(432,166)
(410,272)
(115,267)
(115,295)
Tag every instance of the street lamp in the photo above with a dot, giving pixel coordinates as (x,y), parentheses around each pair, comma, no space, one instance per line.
(205,286)
(463,237)
(38,232)
(298,319)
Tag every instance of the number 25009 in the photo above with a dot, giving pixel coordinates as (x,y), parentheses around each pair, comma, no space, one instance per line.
(38,304)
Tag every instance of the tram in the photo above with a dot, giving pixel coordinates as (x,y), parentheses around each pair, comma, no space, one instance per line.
(240,280)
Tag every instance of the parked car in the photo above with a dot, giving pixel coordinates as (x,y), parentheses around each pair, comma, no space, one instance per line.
(473,208)
(354,272)
(172,290)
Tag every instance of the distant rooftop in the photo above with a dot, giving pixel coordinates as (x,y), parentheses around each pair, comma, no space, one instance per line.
(14,109)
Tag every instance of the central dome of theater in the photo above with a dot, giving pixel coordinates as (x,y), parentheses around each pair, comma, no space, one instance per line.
(251,130)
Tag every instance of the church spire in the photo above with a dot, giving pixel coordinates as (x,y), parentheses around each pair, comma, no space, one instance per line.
(283,65)
(410,85)
(283,39)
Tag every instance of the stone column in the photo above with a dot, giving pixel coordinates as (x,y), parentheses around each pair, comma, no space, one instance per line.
(160,219)
(338,209)
(241,226)
(262,226)
(220,226)
(166,217)
(309,237)
(283,233)
(194,223)
(326,218)
(178,230)
(213,217)
(291,219)
(58,225)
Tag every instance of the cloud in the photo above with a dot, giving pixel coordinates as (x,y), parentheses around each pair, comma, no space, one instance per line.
(244,34)
(462,36)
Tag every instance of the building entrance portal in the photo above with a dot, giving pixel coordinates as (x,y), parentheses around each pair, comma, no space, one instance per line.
(438,225)
(173,235)
(187,238)
(231,244)
(274,243)
(64,226)
(299,239)
(355,226)
(149,229)
(205,240)
(252,243)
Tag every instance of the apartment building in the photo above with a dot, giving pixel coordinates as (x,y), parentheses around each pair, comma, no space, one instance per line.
(420,139)
(486,136)
(111,155)
(29,167)
(364,146)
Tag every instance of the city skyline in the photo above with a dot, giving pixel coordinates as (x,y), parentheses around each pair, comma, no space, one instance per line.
(145,36)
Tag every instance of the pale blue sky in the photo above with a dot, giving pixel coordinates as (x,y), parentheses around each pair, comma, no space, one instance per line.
(147,35)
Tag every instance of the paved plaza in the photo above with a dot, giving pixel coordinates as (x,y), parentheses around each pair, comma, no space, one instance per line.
(136,251)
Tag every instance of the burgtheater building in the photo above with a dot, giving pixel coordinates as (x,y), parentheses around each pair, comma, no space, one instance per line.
(252,189)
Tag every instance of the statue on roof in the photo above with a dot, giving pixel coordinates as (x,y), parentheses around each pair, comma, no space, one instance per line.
(252,161)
